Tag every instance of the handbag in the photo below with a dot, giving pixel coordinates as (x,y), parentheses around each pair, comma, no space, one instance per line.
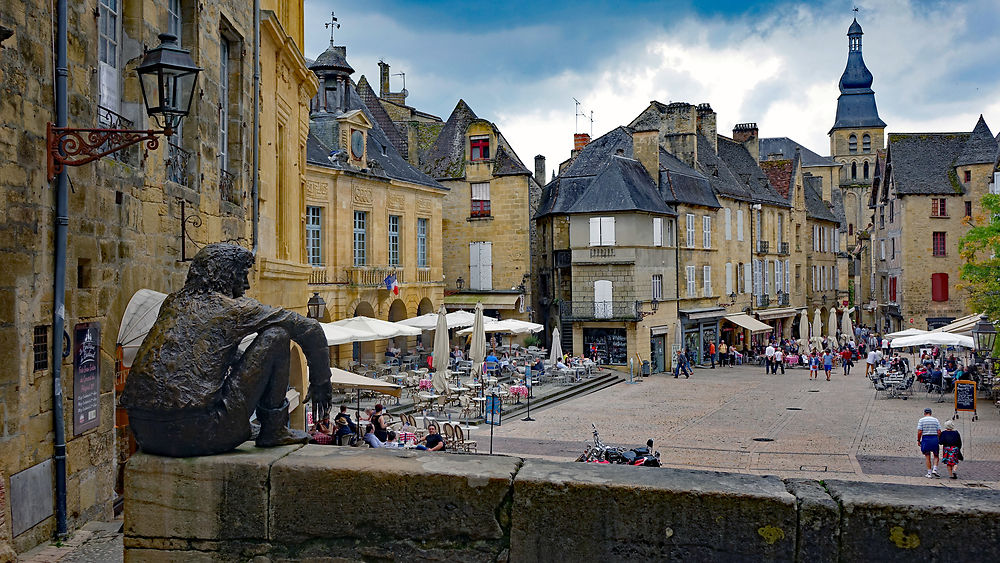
(959,456)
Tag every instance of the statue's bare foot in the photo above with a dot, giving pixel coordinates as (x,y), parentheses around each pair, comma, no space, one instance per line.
(282,437)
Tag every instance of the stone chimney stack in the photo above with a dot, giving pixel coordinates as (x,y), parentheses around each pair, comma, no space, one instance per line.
(679,132)
(383,79)
(540,169)
(707,125)
(580,140)
(646,149)
(747,135)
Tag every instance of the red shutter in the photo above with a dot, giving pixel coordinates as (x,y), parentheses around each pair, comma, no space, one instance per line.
(939,287)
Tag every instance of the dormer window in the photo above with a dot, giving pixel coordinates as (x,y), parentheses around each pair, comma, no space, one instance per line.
(480,147)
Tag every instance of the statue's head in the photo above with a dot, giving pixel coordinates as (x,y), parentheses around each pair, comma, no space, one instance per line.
(220,267)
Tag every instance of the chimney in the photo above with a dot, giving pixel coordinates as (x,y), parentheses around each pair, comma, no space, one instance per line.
(580,140)
(540,169)
(706,123)
(383,79)
(746,134)
(646,149)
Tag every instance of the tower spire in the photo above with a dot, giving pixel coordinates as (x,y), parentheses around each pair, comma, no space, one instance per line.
(333,25)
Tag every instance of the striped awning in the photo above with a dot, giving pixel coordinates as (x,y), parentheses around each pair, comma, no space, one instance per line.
(748,322)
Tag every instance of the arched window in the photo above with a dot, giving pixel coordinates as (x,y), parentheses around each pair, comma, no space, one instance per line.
(852,143)
(854,170)
(866,143)
(865,169)
(603,299)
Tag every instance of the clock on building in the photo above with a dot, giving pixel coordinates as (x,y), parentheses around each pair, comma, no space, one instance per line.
(357,144)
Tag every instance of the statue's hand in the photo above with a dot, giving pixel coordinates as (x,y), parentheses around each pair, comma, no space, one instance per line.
(321,395)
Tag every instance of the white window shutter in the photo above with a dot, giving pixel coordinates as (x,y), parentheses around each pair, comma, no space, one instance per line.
(608,231)
(706,232)
(707,279)
(474,265)
(657,231)
(788,279)
(778,277)
(729,278)
(729,224)
(767,277)
(486,265)
(739,226)
(747,278)
(602,299)
(595,231)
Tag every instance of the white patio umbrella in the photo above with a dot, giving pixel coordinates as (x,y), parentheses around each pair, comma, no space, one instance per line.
(477,348)
(831,326)
(846,325)
(556,351)
(140,314)
(376,329)
(905,333)
(512,326)
(934,339)
(817,329)
(456,319)
(440,377)
(336,335)
(347,380)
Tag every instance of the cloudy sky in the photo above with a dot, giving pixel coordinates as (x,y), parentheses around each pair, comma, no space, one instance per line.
(521,64)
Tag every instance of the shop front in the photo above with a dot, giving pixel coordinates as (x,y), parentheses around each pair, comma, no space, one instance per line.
(658,349)
(738,329)
(780,321)
(610,344)
(701,328)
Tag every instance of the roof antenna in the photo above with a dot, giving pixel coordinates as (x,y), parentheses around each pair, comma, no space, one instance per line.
(576,118)
(333,25)
(402,74)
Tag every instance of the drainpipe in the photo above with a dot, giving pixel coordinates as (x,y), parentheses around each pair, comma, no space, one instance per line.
(255,189)
(59,282)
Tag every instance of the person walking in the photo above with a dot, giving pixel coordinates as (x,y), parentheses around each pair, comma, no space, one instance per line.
(827,363)
(723,353)
(870,362)
(711,352)
(779,360)
(769,358)
(814,365)
(847,360)
(683,365)
(951,448)
(928,437)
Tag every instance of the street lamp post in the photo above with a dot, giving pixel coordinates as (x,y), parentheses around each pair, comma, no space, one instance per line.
(168,76)
(984,337)
(316,306)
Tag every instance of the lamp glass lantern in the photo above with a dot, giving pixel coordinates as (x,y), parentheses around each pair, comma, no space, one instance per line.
(984,335)
(654,305)
(316,306)
(168,76)
(460,283)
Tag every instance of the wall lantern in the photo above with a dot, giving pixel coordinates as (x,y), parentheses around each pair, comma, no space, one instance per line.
(316,307)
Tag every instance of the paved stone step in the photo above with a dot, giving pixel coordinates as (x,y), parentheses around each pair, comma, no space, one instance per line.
(595,384)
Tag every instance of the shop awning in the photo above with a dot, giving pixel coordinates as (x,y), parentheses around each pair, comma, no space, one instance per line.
(962,326)
(489,300)
(345,379)
(703,313)
(767,314)
(748,322)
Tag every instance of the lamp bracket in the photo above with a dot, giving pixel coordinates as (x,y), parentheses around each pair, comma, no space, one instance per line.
(69,146)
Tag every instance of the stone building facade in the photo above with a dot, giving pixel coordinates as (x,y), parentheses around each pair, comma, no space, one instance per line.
(124,219)
(924,198)
(369,214)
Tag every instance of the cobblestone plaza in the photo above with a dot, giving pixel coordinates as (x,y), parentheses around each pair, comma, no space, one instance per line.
(816,429)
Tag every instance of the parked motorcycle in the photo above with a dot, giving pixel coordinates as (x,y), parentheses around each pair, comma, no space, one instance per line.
(600,452)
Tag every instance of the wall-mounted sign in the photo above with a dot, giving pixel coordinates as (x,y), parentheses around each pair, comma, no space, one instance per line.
(86,377)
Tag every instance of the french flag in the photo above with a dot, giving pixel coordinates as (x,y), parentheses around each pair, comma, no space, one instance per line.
(391,285)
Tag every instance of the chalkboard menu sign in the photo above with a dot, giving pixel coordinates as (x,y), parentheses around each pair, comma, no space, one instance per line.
(965,396)
(611,344)
(86,377)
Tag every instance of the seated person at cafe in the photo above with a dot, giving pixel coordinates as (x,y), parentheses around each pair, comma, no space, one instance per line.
(370,438)
(456,353)
(321,433)
(344,426)
(539,367)
(378,420)
(560,364)
(391,442)
(391,352)
(432,441)
(491,357)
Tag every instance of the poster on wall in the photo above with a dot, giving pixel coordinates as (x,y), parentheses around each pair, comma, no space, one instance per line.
(86,377)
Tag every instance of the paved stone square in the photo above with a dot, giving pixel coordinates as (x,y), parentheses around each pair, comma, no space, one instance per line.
(816,429)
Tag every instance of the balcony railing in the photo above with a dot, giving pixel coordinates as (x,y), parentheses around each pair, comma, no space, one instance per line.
(602,251)
(762,246)
(424,276)
(229,188)
(318,276)
(109,119)
(783,300)
(763,300)
(783,248)
(373,276)
(178,162)
(599,310)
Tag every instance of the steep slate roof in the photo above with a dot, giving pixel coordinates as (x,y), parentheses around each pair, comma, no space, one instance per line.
(742,164)
(923,163)
(370,98)
(786,148)
(981,148)
(506,163)
(724,180)
(816,208)
(446,157)
(601,180)
(679,183)
(838,208)
(389,162)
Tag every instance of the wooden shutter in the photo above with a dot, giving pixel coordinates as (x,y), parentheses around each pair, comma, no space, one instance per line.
(474,274)
(657,231)
(939,287)
(608,231)
(739,226)
(707,280)
(788,279)
(595,231)
(747,278)
(602,299)
(729,278)
(486,265)
(729,224)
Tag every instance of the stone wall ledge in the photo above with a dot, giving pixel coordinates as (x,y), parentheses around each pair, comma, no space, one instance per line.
(321,503)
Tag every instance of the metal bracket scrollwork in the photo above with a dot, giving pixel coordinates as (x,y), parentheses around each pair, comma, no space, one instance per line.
(194,221)
(69,146)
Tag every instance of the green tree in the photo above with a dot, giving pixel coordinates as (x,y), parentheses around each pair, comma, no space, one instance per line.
(980,250)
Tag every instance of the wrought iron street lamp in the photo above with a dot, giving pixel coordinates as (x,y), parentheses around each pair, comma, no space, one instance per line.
(732,298)
(460,283)
(984,336)
(167,75)
(653,306)
(316,306)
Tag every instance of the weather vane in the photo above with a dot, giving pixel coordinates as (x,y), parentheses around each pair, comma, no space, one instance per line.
(856,10)
(332,25)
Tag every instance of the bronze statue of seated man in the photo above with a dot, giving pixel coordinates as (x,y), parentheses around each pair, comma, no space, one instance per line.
(191,391)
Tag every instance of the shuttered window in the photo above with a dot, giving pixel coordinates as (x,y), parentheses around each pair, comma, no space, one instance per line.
(690,230)
(739,224)
(939,287)
(729,278)
(788,278)
(729,223)
(657,231)
(691,289)
(602,231)
(707,279)
(747,278)
(481,265)
(603,299)
(706,232)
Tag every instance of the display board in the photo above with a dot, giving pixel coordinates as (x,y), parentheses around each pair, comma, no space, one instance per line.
(86,377)
(965,396)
